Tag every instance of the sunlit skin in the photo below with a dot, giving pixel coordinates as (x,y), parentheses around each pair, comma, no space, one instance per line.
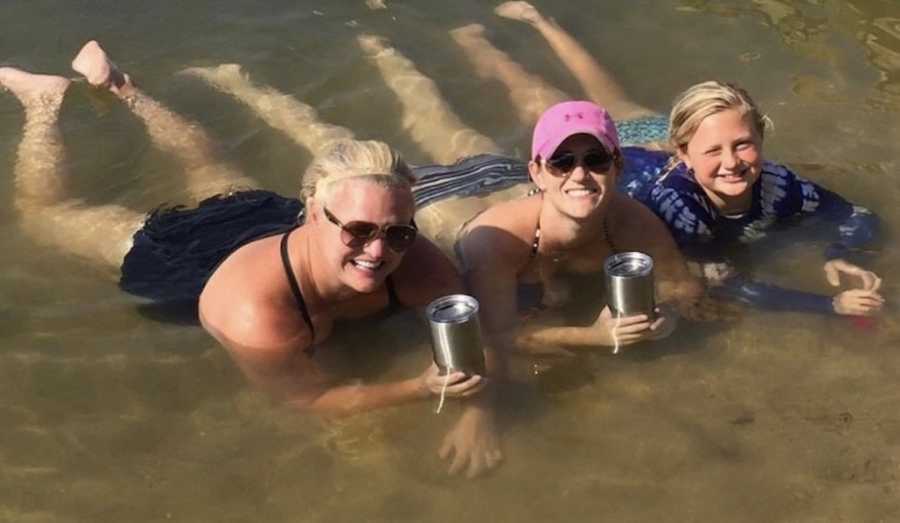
(725,154)
(579,193)
(248,306)
(573,210)
(360,269)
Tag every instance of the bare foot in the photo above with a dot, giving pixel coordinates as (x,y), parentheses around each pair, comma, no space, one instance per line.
(374,44)
(221,76)
(518,10)
(94,64)
(28,87)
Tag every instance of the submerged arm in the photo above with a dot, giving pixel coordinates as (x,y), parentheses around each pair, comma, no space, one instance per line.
(772,297)
(858,229)
(472,444)
(284,368)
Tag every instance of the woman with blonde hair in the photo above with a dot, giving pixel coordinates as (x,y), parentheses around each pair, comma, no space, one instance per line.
(269,284)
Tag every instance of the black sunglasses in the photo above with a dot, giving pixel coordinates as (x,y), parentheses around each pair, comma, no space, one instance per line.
(597,162)
(357,233)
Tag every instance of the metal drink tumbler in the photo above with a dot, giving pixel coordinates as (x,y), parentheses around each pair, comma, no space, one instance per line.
(456,334)
(629,284)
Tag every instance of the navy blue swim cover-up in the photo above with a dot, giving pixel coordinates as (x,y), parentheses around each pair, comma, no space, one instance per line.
(178,248)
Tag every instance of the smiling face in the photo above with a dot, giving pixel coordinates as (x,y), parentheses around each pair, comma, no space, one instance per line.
(580,192)
(725,154)
(364,268)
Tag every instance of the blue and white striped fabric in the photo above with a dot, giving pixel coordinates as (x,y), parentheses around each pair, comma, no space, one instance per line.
(471,176)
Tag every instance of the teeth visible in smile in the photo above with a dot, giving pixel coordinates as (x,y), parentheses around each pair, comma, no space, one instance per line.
(365,264)
(580,192)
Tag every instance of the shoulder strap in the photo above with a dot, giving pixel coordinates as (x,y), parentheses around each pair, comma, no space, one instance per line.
(606,237)
(536,242)
(295,287)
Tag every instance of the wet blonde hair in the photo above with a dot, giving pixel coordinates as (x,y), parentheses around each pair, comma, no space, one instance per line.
(345,159)
(705,99)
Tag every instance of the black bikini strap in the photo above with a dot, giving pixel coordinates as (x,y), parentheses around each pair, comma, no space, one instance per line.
(295,288)
(607,237)
(536,242)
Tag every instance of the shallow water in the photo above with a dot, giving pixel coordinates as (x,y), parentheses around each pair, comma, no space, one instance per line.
(110,416)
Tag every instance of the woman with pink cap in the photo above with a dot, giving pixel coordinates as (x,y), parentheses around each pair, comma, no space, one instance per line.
(574,221)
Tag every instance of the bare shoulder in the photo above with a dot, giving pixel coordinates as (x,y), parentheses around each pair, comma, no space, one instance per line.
(501,237)
(632,225)
(243,306)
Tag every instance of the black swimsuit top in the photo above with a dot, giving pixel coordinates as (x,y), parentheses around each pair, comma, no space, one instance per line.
(536,242)
(530,295)
(393,299)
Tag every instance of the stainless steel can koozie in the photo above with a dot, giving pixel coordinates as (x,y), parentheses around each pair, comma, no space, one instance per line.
(629,284)
(456,334)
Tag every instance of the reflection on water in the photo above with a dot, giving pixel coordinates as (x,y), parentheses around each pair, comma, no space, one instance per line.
(108,416)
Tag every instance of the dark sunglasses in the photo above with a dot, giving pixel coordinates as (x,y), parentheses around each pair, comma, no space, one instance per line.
(597,162)
(358,234)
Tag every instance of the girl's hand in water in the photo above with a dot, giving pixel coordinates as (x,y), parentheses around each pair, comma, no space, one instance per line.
(458,384)
(625,330)
(858,302)
(834,269)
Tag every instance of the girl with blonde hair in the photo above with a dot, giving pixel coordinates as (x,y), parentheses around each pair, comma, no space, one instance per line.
(718,191)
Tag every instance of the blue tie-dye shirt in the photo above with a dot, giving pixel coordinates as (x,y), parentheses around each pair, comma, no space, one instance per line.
(707,236)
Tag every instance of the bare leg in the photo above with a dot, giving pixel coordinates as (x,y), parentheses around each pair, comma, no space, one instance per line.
(170,132)
(48,214)
(426,115)
(530,94)
(596,81)
(296,119)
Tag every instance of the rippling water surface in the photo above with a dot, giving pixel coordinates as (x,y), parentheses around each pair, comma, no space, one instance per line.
(108,415)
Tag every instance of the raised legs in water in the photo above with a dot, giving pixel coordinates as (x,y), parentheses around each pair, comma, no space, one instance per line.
(173,134)
(531,94)
(297,120)
(47,210)
(426,115)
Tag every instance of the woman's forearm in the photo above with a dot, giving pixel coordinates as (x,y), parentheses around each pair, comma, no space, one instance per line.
(536,338)
(350,399)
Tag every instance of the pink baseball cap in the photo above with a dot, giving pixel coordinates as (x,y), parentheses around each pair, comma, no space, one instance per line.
(568,118)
